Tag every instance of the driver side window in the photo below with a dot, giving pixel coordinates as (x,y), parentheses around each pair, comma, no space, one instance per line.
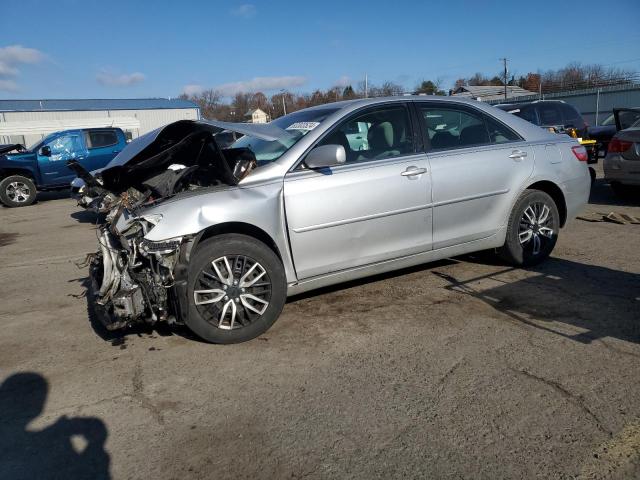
(375,134)
(66,147)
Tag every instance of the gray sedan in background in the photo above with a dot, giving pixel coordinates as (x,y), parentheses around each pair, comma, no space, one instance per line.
(218,238)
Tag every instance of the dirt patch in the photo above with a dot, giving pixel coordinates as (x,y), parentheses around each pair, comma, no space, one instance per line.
(7,239)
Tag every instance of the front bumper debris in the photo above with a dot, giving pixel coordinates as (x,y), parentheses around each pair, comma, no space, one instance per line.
(132,280)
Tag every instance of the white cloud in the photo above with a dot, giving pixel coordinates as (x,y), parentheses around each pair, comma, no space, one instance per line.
(16,54)
(111,79)
(260,84)
(193,89)
(7,70)
(8,86)
(246,10)
(11,57)
(343,81)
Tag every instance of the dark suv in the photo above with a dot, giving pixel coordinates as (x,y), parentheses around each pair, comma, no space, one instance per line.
(554,114)
(557,116)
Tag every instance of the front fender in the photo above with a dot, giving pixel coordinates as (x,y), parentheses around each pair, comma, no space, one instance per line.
(261,206)
(20,164)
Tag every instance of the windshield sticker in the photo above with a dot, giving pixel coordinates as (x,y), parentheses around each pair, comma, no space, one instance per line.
(303,126)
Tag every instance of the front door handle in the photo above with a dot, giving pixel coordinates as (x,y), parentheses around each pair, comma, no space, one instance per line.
(412,171)
(518,154)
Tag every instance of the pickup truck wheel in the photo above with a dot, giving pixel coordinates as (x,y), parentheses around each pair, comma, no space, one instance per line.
(532,230)
(237,289)
(17,191)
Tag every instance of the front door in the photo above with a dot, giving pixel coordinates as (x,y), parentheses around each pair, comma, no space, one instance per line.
(373,208)
(65,147)
(478,166)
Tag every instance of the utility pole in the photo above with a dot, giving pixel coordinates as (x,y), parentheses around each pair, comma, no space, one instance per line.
(284,105)
(504,62)
(366,86)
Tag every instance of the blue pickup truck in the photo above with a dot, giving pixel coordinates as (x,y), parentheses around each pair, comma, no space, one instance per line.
(44,166)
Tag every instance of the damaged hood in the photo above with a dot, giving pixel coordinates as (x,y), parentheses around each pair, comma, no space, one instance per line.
(181,144)
(11,147)
(165,137)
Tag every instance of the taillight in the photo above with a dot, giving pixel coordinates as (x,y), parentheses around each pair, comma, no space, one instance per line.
(580,152)
(618,146)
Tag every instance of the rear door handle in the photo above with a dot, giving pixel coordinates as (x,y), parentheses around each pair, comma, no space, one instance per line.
(412,171)
(518,154)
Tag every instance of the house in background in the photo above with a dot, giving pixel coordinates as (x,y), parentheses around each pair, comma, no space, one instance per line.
(489,92)
(256,116)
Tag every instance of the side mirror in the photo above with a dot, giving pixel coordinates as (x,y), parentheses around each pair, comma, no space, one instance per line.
(326,156)
(45,151)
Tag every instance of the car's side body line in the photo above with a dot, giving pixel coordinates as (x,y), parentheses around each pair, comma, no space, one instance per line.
(333,278)
(361,219)
(471,197)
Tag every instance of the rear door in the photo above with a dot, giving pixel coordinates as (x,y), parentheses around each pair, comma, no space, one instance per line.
(478,165)
(375,207)
(102,146)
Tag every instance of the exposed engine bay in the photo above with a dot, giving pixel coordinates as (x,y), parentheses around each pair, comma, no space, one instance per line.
(134,279)
(182,156)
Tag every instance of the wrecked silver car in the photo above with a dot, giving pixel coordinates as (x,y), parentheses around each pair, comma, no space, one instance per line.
(218,238)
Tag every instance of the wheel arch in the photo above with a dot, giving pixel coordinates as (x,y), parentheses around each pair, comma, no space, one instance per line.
(555,192)
(25,172)
(240,228)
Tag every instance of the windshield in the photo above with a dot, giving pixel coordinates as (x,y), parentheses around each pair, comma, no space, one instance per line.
(297,123)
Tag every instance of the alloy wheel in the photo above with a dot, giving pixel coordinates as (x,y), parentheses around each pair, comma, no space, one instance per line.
(18,192)
(536,232)
(232,291)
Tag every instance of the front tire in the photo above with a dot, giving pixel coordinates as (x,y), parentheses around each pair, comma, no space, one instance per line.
(532,231)
(17,191)
(237,289)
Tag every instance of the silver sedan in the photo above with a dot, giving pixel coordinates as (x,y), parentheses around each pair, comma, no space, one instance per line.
(218,238)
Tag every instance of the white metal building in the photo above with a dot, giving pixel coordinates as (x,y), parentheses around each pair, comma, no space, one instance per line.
(28,121)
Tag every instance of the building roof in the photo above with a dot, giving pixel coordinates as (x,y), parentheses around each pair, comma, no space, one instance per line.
(94,104)
(490,92)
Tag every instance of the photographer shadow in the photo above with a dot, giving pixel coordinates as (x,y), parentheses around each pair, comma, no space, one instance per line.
(72,447)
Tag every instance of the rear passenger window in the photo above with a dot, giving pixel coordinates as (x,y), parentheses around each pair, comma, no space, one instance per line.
(499,133)
(457,128)
(453,128)
(549,115)
(101,139)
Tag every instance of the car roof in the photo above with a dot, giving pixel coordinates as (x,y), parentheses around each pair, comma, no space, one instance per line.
(361,102)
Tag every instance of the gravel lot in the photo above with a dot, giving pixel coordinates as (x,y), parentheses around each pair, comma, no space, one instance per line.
(459,369)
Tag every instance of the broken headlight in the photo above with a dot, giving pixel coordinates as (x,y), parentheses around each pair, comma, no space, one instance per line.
(162,247)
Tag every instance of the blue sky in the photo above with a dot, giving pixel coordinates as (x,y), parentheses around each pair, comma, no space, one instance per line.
(103,49)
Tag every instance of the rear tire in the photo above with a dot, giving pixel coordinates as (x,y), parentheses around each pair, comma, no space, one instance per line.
(17,191)
(236,290)
(532,230)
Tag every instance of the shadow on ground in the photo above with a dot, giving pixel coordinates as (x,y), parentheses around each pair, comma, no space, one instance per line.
(602,194)
(118,338)
(87,216)
(597,302)
(71,447)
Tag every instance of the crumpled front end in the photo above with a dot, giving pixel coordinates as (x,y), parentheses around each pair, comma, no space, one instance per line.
(132,278)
